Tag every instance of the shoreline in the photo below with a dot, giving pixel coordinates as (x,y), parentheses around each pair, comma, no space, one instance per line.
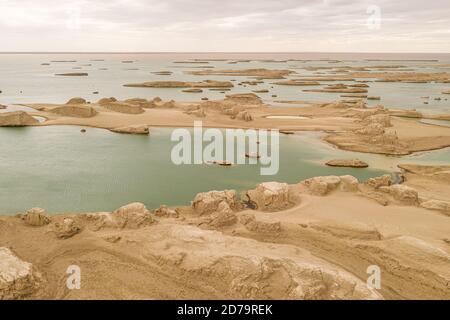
(218,229)
(349,127)
(297,131)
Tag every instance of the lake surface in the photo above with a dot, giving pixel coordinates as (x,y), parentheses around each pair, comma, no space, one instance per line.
(63,170)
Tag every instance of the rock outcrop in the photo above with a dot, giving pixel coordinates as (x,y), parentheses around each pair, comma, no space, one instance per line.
(122,107)
(382,119)
(438,205)
(65,229)
(224,216)
(17,278)
(73,74)
(140,102)
(104,101)
(206,203)
(165,212)
(244,98)
(372,129)
(193,90)
(321,186)
(182,84)
(270,196)
(73,110)
(16,119)
(132,216)
(402,193)
(353,163)
(36,217)
(244,116)
(134,129)
(440,172)
(377,182)
(349,183)
(76,100)
(374,136)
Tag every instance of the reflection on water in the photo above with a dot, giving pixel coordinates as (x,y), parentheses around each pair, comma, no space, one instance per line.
(62,170)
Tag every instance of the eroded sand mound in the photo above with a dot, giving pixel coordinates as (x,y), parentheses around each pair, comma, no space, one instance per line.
(123,107)
(73,110)
(16,119)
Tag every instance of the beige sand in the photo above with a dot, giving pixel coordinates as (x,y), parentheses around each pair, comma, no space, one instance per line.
(301,242)
(352,125)
(182,84)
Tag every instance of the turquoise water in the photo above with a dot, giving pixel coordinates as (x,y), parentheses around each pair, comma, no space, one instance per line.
(63,170)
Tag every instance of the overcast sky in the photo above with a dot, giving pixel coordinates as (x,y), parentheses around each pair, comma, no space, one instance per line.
(226,25)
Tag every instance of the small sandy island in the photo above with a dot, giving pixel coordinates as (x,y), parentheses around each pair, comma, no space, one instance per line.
(182,84)
(351,125)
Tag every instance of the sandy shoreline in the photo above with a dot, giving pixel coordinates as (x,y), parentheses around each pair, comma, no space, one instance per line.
(311,240)
(353,127)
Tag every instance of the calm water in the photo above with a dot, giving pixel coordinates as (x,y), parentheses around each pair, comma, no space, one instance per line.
(25,80)
(62,170)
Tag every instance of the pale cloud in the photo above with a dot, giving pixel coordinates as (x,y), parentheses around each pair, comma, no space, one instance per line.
(233,25)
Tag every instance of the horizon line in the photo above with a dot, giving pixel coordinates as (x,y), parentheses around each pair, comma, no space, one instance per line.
(213,52)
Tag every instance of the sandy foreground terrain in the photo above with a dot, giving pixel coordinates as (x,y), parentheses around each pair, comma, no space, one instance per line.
(311,240)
